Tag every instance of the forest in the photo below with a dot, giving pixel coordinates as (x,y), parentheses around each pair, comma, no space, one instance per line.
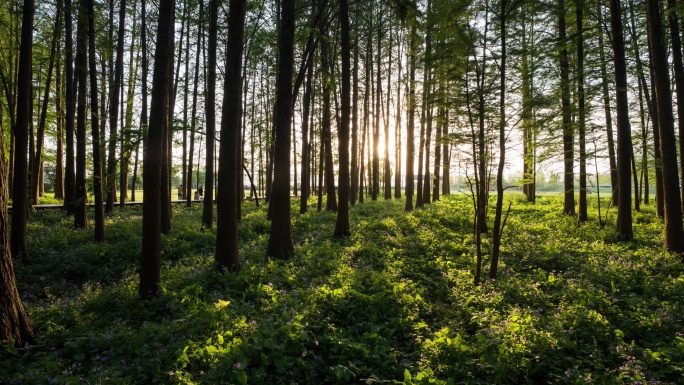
(335,192)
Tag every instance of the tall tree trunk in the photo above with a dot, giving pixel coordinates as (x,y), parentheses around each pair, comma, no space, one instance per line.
(38,155)
(678,66)
(410,152)
(306,101)
(376,112)
(387,172)
(280,240)
(397,129)
(579,14)
(150,261)
(187,184)
(624,145)
(438,146)
(568,134)
(609,119)
(14,322)
(342,224)
(95,129)
(142,136)
(59,167)
(355,122)
(498,226)
(126,146)
(445,155)
(208,208)
(427,103)
(80,195)
(227,254)
(114,109)
(674,232)
(331,199)
(20,202)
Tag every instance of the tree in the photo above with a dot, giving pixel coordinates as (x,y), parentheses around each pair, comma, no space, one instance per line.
(624,145)
(21,129)
(114,108)
(568,134)
(498,225)
(80,194)
(70,111)
(208,208)
(280,240)
(410,152)
(97,166)
(582,215)
(14,323)
(674,231)
(150,259)
(342,224)
(227,254)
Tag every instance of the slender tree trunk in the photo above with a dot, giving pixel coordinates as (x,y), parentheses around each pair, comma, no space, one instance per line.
(18,243)
(80,195)
(624,148)
(674,232)
(410,152)
(150,261)
(95,129)
(355,122)
(306,101)
(579,14)
(498,226)
(609,118)
(438,147)
(387,172)
(114,109)
(187,184)
(59,168)
(38,155)
(331,199)
(445,155)
(427,103)
(280,241)
(342,224)
(208,208)
(126,146)
(227,243)
(376,113)
(397,129)
(568,134)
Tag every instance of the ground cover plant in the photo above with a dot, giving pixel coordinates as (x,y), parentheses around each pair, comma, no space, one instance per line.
(395,303)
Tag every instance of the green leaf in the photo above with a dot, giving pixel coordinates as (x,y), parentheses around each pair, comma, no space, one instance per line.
(407,377)
(242,377)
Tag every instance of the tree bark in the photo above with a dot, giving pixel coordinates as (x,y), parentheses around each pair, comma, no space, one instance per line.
(80,195)
(280,240)
(227,254)
(609,119)
(95,129)
(342,229)
(208,208)
(114,109)
(20,204)
(674,232)
(410,152)
(150,261)
(14,323)
(579,14)
(624,145)
(568,134)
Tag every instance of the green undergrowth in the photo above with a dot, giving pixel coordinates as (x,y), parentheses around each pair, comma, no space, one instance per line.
(395,303)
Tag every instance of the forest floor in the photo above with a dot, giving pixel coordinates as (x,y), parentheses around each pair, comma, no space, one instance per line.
(395,303)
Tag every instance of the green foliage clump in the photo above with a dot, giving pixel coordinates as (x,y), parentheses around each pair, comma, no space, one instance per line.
(395,303)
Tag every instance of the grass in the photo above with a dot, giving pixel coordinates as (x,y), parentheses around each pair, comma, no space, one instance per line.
(394,303)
